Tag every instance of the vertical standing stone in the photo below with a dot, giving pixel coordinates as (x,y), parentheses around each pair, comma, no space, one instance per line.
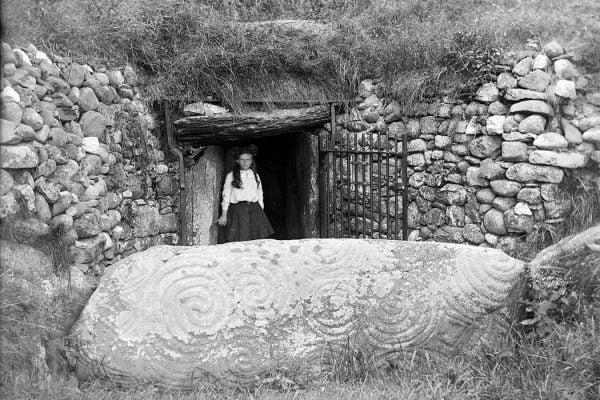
(200,208)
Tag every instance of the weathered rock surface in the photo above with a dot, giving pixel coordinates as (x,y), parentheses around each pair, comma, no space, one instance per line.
(524,172)
(551,141)
(532,107)
(572,134)
(532,124)
(514,151)
(570,159)
(18,157)
(524,94)
(564,69)
(235,312)
(485,146)
(557,267)
(536,80)
(553,49)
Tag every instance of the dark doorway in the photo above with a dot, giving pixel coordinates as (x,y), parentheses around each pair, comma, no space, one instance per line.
(285,165)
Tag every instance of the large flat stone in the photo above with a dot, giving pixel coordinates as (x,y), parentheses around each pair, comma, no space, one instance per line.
(233,313)
(567,159)
(532,107)
(524,94)
(525,172)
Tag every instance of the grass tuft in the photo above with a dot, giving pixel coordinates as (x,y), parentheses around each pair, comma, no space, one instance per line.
(31,324)
(31,332)
(229,50)
(24,228)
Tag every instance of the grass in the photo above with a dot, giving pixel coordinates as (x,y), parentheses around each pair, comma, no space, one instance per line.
(204,48)
(31,332)
(31,324)
(25,228)
(563,365)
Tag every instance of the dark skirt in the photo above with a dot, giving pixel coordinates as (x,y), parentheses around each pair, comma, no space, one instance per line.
(247,221)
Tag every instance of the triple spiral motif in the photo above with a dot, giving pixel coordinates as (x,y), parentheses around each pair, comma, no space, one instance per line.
(238,311)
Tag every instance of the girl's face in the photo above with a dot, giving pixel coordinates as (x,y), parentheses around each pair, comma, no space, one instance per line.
(245,161)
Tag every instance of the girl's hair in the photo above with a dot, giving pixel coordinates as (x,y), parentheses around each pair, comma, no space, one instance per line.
(237,152)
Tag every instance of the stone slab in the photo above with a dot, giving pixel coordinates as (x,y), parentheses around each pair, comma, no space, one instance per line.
(525,172)
(234,313)
(567,159)
(532,107)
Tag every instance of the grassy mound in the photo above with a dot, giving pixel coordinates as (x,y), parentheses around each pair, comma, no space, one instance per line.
(207,48)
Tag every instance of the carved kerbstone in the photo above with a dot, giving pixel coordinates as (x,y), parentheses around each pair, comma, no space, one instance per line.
(238,311)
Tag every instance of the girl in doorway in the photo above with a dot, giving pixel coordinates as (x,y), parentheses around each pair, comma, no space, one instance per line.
(242,207)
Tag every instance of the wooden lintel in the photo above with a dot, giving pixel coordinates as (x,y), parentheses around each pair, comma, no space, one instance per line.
(222,128)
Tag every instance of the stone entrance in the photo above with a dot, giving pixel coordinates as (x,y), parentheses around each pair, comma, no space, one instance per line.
(287,164)
(288,159)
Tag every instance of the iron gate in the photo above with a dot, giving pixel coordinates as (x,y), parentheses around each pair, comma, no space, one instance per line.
(363,176)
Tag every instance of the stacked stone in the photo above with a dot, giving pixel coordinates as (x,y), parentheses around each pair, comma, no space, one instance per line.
(486,172)
(70,141)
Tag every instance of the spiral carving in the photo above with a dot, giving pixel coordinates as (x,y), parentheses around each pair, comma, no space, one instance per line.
(394,326)
(260,287)
(234,313)
(194,303)
(247,359)
(331,309)
(478,289)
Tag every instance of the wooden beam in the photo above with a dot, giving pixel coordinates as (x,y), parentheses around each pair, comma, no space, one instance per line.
(223,128)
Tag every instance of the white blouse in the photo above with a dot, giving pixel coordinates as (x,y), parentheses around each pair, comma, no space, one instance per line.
(249,191)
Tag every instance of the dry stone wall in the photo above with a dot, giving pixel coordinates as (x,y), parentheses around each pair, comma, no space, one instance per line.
(79,150)
(487,171)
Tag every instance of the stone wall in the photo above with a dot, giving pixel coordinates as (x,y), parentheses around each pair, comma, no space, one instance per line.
(80,150)
(486,171)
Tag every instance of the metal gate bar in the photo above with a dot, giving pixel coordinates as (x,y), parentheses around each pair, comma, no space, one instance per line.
(405,186)
(333,133)
(396,190)
(371,192)
(349,205)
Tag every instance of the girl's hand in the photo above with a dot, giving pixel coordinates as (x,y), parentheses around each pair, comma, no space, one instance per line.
(222,220)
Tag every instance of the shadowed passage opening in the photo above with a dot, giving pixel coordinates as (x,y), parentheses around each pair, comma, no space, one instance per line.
(283,163)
